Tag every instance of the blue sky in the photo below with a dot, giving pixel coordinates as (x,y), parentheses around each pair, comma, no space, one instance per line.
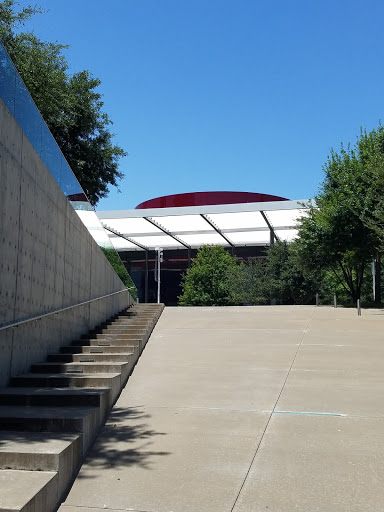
(241,95)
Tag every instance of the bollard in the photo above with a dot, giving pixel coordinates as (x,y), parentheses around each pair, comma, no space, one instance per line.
(358,308)
(334,301)
(317,299)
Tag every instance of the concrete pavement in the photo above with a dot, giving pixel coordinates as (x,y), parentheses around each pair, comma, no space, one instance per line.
(249,409)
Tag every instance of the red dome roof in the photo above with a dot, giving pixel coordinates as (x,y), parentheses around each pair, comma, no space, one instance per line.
(207,198)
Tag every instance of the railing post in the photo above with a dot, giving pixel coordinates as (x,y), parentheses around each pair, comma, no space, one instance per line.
(358,308)
(317,299)
(335,301)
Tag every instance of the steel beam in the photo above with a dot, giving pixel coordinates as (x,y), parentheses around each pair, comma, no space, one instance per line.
(272,231)
(159,226)
(213,225)
(111,230)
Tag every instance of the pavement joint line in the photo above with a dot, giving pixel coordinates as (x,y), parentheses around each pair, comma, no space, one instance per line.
(273,410)
(334,345)
(106,508)
(236,330)
(309,413)
(202,408)
(95,508)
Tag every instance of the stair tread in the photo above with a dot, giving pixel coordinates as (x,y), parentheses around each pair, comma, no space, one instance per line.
(19,487)
(35,442)
(92,354)
(61,375)
(81,363)
(52,391)
(64,412)
(121,349)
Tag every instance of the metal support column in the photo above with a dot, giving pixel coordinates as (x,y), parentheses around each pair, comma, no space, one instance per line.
(146,277)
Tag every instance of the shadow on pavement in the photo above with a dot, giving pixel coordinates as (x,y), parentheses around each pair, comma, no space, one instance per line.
(125,440)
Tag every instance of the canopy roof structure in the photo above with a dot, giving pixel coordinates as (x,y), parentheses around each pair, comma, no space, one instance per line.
(230,225)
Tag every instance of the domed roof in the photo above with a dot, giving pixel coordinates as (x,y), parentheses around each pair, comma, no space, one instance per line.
(207,198)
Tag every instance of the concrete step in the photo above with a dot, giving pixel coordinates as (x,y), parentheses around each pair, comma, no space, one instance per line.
(117,336)
(90,358)
(139,333)
(110,342)
(137,320)
(128,337)
(42,451)
(113,381)
(121,328)
(145,305)
(59,397)
(84,368)
(84,420)
(81,368)
(148,317)
(134,338)
(50,417)
(90,349)
(142,317)
(28,491)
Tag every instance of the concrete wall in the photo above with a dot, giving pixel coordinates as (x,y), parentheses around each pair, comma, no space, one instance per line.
(48,259)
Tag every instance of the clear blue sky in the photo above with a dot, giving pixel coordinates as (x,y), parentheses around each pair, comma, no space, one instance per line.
(226,95)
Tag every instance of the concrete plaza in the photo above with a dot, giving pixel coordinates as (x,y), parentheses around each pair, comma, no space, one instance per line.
(249,409)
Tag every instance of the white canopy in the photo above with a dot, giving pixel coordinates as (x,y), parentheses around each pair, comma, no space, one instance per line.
(234,225)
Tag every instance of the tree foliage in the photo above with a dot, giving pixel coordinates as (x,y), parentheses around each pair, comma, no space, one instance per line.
(215,278)
(118,266)
(344,230)
(208,281)
(70,104)
(279,277)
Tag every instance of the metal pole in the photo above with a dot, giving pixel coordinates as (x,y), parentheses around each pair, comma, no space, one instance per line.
(358,308)
(271,237)
(334,301)
(317,299)
(146,278)
(159,259)
(374,280)
(158,276)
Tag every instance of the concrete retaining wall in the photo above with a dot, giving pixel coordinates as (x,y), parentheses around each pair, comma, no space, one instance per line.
(48,259)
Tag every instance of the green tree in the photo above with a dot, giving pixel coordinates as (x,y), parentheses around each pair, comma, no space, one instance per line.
(208,282)
(248,282)
(287,280)
(279,276)
(371,150)
(336,234)
(70,104)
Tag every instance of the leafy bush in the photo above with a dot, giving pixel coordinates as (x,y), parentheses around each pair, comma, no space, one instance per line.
(114,259)
(208,281)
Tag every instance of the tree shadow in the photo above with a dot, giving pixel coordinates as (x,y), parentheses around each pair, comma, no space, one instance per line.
(32,437)
(125,440)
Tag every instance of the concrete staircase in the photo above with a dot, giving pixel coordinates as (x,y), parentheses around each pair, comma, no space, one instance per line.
(51,416)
